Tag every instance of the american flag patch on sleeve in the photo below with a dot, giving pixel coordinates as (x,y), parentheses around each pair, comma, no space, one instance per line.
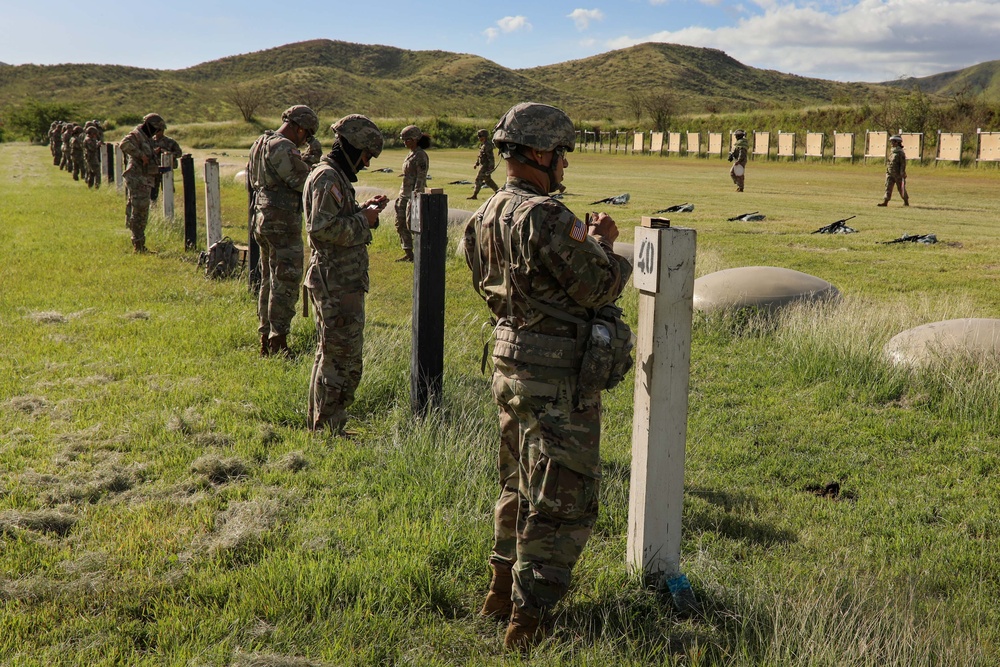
(579,231)
(335,191)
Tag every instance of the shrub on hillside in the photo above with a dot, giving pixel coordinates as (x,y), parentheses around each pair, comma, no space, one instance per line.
(32,118)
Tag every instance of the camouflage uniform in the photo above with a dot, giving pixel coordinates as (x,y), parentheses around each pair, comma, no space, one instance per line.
(486,164)
(140,170)
(276,175)
(55,142)
(739,156)
(76,150)
(537,269)
(92,153)
(415,168)
(313,153)
(162,144)
(65,161)
(337,277)
(895,173)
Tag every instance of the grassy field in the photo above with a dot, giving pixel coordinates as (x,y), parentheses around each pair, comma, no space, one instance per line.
(161,502)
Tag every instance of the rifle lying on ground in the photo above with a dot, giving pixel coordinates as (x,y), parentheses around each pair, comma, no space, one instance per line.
(913,238)
(747,217)
(460,183)
(676,208)
(838,227)
(617,201)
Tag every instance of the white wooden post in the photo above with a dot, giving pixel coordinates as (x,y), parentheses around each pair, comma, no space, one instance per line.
(664,274)
(213,203)
(167,186)
(119,167)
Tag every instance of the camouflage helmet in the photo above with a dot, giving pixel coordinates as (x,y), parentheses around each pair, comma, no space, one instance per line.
(740,134)
(92,130)
(410,132)
(155,121)
(302,116)
(895,139)
(360,132)
(483,134)
(537,126)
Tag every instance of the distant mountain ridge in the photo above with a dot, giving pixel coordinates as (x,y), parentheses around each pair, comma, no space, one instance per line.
(386,81)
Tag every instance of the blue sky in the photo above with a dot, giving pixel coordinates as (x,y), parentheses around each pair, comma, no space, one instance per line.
(845,40)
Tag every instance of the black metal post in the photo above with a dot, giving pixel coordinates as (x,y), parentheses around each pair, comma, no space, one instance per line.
(109,149)
(429,222)
(190,207)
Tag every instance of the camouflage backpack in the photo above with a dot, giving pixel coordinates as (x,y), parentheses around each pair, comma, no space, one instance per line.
(222,260)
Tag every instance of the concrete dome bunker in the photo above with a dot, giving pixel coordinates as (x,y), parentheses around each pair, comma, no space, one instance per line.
(971,338)
(762,287)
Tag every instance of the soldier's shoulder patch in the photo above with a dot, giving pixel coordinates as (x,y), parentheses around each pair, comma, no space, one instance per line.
(578,232)
(337,194)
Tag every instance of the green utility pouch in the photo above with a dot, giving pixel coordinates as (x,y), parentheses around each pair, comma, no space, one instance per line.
(608,355)
(535,348)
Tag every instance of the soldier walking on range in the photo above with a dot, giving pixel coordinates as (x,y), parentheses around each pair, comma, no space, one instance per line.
(76,149)
(140,170)
(66,162)
(92,157)
(55,142)
(542,272)
(486,164)
(414,175)
(895,171)
(339,231)
(276,174)
(738,156)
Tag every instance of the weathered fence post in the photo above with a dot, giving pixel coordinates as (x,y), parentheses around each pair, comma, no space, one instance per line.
(213,203)
(190,205)
(167,183)
(664,274)
(429,222)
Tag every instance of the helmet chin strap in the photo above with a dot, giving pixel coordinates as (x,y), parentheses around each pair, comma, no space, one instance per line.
(549,171)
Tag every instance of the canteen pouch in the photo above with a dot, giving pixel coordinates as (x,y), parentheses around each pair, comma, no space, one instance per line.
(608,355)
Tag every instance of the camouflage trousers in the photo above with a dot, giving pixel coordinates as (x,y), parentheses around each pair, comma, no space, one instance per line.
(897,183)
(137,209)
(79,166)
(94,172)
(279,235)
(402,208)
(336,373)
(738,180)
(484,177)
(549,474)
(56,154)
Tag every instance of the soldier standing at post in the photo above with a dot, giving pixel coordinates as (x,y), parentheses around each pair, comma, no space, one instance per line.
(738,156)
(276,174)
(542,272)
(339,231)
(92,155)
(77,152)
(414,175)
(895,171)
(140,170)
(486,164)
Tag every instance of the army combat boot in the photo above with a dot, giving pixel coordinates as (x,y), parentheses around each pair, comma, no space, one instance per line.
(407,255)
(523,632)
(498,604)
(279,346)
(265,346)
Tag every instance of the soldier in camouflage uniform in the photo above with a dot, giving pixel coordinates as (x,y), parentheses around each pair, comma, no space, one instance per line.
(276,174)
(92,156)
(313,152)
(55,142)
(164,145)
(895,171)
(738,156)
(485,163)
(339,231)
(140,170)
(78,157)
(543,272)
(66,162)
(415,168)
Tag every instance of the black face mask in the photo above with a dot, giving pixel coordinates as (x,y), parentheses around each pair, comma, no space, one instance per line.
(148,130)
(347,157)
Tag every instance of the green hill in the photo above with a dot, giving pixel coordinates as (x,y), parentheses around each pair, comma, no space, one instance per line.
(982,79)
(388,82)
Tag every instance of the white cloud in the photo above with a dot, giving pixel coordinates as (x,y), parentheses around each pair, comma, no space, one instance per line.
(863,40)
(583,17)
(513,23)
(491,34)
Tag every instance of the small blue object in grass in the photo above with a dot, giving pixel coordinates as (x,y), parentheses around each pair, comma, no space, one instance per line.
(682,594)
